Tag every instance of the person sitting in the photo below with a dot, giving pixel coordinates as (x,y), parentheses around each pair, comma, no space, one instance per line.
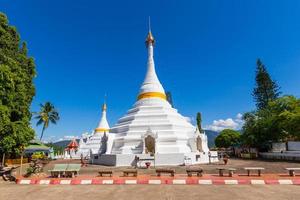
(225,158)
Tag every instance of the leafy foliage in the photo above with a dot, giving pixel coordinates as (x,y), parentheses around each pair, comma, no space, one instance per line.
(227,138)
(266,89)
(17,71)
(38,155)
(56,148)
(35,167)
(279,121)
(48,114)
(199,121)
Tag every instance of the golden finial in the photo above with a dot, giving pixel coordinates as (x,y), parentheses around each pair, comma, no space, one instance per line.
(104,107)
(150,38)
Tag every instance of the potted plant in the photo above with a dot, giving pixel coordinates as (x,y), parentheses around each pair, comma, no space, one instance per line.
(147,164)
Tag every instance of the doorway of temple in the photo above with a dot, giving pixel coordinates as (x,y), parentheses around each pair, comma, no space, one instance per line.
(150,144)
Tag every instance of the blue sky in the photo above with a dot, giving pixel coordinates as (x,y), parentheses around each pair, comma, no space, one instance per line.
(205,54)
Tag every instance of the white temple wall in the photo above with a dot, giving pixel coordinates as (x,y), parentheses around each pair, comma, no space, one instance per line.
(293,146)
(278,146)
(169,159)
(160,159)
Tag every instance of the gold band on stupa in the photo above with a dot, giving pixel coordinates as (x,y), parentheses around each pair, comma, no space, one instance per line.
(101,130)
(152,95)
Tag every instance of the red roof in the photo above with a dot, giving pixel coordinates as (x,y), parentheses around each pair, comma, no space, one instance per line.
(73,144)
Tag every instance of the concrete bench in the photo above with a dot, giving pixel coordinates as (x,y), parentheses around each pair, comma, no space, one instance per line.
(197,171)
(258,169)
(58,170)
(292,170)
(130,171)
(230,171)
(107,172)
(165,171)
(72,170)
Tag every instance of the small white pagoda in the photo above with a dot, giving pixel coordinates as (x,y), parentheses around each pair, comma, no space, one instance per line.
(96,143)
(152,130)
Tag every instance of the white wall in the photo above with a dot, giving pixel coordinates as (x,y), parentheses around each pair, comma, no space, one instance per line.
(278,146)
(293,146)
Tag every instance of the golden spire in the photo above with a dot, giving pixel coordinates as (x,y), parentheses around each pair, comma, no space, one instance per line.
(104,107)
(150,38)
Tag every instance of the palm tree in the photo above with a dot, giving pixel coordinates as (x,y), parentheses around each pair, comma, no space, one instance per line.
(47,114)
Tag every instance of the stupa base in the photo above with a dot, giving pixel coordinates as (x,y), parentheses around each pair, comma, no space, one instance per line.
(174,159)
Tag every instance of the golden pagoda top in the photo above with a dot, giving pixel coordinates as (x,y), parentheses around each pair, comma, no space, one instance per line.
(150,39)
(104,107)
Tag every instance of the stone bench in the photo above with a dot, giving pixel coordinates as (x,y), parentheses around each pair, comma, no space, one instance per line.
(292,170)
(258,169)
(107,172)
(197,171)
(130,171)
(165,171)
(230,171)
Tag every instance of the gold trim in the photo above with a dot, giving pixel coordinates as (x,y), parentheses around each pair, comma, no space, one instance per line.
(150,39)
(152,95)
(104,107)
(101,129)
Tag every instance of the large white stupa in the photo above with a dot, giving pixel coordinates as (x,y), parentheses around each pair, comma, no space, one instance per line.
(153,130)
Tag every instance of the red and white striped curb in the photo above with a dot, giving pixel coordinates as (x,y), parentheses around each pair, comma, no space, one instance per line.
(157,182)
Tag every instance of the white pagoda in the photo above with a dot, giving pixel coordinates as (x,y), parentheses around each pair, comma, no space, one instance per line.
(96,143)
(152,130)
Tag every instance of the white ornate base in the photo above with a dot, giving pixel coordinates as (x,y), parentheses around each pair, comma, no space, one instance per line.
(174,159)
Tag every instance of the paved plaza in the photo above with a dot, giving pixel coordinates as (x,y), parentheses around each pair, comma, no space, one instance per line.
(160,192)
(271,167)
(274,169)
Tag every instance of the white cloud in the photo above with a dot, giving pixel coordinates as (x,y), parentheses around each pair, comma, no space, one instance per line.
(49,139)
(239,116)
(70,137)
(67,137)
(229,123)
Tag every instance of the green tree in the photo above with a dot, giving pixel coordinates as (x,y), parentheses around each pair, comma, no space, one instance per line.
(199,121)
(17,71)
(227,138)
(47,115)
(56,149)
(266,89)
(279,121)
(169,98)
(284,114)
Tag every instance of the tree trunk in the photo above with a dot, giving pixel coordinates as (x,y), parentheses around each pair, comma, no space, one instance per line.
(42,132)
(3,159)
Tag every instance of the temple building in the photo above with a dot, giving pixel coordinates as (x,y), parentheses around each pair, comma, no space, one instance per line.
(152,130)
(71,150)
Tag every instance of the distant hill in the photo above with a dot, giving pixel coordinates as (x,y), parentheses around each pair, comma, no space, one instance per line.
(211,135)
(63,143)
